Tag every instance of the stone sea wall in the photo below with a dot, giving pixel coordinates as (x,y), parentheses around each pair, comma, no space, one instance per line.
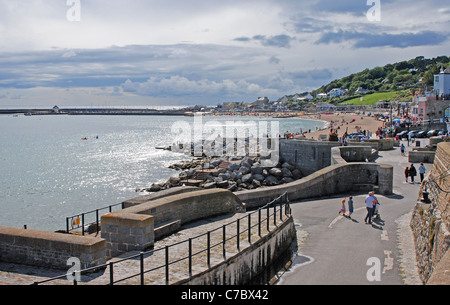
(431,220)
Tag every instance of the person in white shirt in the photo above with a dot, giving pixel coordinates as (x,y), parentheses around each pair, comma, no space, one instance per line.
(370,199)
(422,171)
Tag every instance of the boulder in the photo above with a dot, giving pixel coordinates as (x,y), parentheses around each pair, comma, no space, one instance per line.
(258,177)
(222,184)
(276,172)
(244,170)
(247,178)
(257,169)
(286,172)
(296,174)
(270,181)
(288,166)
(233,167)
(209,185)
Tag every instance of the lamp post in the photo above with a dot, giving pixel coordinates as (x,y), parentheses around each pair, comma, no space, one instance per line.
(408,123)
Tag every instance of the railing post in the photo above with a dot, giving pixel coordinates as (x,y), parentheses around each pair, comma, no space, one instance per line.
(190,257)
(208,257)
(96,220)
(275,213)
(259,222)
(237,235)
(111,274)
(224,238)
(167,265)
(268,219)
(141,258)
(249,229)
(82,224)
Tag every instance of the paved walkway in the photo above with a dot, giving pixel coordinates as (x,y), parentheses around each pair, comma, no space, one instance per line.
(340,250)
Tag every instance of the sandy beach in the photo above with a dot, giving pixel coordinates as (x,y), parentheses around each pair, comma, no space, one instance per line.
(344,122)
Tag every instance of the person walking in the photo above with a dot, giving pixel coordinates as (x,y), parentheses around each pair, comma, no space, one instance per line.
(369,206)
(412,172)
(350,206)
(422,171)
(406,174)
(402,149)
(342,210)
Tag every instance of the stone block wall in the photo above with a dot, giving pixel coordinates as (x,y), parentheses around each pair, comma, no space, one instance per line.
(334,179)
(49,249)
(311,156)
(133,228)
(126,232)
(430,221)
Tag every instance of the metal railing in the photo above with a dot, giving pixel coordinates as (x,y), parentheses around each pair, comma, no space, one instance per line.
(251,227)
(89,221)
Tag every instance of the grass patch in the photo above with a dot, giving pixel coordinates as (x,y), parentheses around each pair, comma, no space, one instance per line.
(372,99)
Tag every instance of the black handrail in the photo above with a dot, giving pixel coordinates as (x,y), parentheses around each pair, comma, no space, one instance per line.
(167,264)
(79,221)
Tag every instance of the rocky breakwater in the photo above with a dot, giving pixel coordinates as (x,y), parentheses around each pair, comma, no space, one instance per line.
(232,173)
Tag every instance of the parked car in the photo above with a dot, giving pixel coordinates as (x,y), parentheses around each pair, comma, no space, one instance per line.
(421,134)
(432,133)
(402,134)
(412,133)
(442,132)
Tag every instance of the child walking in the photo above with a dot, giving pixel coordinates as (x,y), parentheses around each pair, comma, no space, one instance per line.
(342,210)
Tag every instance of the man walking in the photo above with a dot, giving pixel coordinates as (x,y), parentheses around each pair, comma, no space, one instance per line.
(369,206)
(422,171)
(412,172)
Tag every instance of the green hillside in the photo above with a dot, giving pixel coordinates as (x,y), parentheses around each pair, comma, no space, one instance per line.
(372,99)
(390,82)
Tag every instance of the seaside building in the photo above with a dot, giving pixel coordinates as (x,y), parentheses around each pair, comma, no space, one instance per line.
(430,105)
(442,84)
(336,92)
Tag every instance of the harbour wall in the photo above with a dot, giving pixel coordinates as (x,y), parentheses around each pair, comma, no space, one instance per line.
(137,227)
(251,262)
(311,156)
(49,249)
(430,221)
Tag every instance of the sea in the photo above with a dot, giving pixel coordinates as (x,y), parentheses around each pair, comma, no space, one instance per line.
(57,166)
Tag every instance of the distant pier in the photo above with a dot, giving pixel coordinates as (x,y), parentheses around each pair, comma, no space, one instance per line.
(95,111)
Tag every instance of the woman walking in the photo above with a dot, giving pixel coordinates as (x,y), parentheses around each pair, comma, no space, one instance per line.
(406,174)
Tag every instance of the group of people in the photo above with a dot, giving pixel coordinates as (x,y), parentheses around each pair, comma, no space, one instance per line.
(411,172)
(371,202)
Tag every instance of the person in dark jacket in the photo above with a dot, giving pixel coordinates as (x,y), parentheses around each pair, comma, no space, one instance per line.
(412,172)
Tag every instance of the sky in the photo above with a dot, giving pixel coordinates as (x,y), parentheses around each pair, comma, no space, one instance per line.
(186,52)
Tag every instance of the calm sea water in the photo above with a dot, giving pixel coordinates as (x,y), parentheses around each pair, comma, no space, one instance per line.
(47,172)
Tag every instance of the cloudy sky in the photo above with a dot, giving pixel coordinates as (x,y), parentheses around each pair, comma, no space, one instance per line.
(187,52)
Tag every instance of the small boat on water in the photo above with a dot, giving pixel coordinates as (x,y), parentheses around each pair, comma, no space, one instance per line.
(84,139)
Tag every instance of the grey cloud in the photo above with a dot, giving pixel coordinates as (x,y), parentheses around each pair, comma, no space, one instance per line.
(369,40)
(315,74)
(356,7)
(280,41)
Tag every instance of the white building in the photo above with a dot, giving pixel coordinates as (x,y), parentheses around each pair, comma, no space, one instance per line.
(442,83)
(322,95)
(336,92)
